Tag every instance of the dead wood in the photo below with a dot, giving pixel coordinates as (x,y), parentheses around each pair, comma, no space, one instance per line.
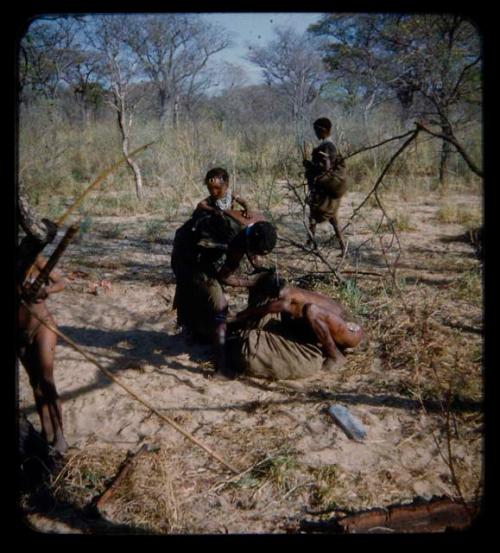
(437,515)
(125,470)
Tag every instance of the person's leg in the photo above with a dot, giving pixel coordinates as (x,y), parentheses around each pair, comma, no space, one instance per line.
(45,343)
(29,360)
(336,227)
(218,307)
(311,241)
(316,318)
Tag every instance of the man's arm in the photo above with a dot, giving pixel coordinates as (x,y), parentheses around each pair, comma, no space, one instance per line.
(236,251)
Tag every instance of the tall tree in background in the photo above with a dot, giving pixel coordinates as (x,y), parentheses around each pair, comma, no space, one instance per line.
(292,62)
(119,74)
(435,58)
(173,51)
(45,54)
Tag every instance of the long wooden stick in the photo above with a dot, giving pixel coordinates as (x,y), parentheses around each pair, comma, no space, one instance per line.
(97,181)
(112,377)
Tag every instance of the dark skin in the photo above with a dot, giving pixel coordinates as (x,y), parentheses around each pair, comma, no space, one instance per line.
(325,316)
(321,134)
(227,275)
(217,189)
(37,357)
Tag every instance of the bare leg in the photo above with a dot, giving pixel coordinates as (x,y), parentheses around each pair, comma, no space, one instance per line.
(45,344)
(311,241)
(222,371)
(30,363)
(335,224)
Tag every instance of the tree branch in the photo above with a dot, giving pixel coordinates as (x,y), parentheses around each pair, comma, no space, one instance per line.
(452,140)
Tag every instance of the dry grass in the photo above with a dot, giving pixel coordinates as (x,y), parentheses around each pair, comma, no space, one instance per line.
(422,356)
(147,498)
(453,213)
(86,474)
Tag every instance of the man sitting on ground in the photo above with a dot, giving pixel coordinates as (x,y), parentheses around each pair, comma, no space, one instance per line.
(324,318)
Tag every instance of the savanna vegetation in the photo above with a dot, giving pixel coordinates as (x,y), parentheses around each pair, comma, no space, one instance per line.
(92,89)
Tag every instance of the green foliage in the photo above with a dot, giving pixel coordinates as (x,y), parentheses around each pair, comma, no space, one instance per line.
(351,295)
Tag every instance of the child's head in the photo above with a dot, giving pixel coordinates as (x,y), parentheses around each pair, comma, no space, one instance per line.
(217,182)
(322,127)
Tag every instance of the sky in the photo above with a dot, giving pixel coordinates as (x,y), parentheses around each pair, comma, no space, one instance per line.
(255,28)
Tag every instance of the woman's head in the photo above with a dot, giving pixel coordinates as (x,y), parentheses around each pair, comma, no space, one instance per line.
(217,182)
(322,127)
(261,238)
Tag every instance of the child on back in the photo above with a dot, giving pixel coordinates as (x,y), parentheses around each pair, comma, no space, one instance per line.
(221,198)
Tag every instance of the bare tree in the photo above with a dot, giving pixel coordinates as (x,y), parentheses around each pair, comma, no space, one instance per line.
(433,58)
(173,51)
(119,75)
(83,78)
(291,62)
(45,55)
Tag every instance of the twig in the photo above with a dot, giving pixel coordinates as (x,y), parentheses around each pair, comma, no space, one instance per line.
(452,140)
(347,156)
(316,253)
(384,171)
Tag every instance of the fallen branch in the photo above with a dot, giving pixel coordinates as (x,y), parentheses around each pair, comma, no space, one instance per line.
(438,515)
(126,468)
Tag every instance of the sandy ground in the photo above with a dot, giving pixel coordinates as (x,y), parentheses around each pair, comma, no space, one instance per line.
(117,307)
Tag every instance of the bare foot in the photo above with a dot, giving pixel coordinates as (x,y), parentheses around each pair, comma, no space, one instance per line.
(224,376)
(60,445)
(332,364)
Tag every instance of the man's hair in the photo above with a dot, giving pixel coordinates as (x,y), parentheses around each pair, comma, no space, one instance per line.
(217,173)
(262,237)
(266,288)
(269,284)
(323,123)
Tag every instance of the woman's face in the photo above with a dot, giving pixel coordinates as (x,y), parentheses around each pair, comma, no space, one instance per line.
(320,133)
(217,188)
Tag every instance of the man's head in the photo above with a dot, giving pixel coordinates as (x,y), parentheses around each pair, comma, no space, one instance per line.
(322,127)
(217,181)
(261,238)
(267,288)
(270,284)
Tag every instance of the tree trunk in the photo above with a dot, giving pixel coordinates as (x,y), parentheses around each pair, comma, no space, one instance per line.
(445,152)
(162,98)
(125,149)
(175,112)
